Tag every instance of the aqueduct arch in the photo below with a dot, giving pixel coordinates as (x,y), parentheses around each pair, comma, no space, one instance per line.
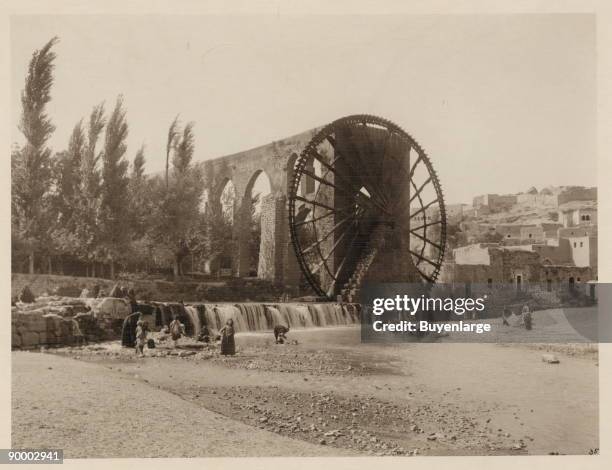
(276,258)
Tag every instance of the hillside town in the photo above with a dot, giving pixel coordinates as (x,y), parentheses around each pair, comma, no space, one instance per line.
(546,238)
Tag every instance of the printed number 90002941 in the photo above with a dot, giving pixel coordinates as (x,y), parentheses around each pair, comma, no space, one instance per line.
(32,456)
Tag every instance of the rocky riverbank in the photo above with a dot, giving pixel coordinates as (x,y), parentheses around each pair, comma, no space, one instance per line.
(325,389)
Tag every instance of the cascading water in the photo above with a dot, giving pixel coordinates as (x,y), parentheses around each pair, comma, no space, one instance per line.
(333,314)
(296,315)
(195,319)
(259,317)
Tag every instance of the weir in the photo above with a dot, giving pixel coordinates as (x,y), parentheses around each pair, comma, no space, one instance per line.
(257,316)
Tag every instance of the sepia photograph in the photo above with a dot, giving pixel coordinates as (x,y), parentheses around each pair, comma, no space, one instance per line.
(304,235)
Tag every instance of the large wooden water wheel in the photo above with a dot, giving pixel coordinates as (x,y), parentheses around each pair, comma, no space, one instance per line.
(365,204)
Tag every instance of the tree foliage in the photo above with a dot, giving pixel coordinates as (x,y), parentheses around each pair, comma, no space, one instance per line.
(114,213)
(31,165)
(176,209)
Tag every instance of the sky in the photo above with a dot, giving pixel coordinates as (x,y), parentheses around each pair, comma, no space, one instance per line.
(499,102)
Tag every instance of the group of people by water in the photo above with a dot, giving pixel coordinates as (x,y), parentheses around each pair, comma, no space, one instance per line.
(135,332)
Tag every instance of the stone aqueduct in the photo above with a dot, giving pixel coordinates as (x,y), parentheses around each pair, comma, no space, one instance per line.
(277,260)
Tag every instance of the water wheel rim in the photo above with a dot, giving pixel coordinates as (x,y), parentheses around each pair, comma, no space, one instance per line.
(311,152)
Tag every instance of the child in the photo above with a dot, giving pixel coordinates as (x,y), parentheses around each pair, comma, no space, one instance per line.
(176,330)
(141,337)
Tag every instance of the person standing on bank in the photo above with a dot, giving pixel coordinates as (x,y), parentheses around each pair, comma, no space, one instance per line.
(526,317)
(176,330)
(228,346)
(141,337)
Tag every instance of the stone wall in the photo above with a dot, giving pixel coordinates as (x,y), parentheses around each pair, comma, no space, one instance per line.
(577,194)
(151,290)
(54,321)
(273,231)
(495,202)
(537,199)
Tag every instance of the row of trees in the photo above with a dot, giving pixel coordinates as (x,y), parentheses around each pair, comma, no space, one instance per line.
(88,207)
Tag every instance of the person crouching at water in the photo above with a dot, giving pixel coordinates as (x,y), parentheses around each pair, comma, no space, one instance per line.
(141,337)
(228,346)
(204,335)
(176,330)
(280,333)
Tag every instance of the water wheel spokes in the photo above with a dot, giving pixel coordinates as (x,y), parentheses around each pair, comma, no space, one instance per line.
(365,203)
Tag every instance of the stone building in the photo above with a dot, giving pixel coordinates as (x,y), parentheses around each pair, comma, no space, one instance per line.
(577,213)
(554,266)
(550,230)
(576,193)
(494,202)
(532,234)
(492,263)
(578,231)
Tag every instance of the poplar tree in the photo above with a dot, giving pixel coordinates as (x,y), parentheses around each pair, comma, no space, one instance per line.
(177,220)
(86,228)
(114,189)
(31,165)
(138,195)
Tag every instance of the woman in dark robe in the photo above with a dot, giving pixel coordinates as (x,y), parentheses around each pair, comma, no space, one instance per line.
(128,331)
(228,346)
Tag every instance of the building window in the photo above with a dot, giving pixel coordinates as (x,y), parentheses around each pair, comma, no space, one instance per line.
(529,235)
(574,244)
(580,244)
(489,282)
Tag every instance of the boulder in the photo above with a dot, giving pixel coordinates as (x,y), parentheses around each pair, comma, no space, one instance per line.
(550,358)
(112,308)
